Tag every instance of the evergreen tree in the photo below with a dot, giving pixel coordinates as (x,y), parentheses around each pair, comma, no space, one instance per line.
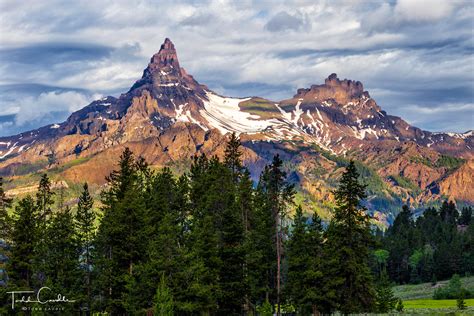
(61,256)
(304,279)
(44,202)
(347,248)
(461,304)
(165,227)
(276,194)
(232,157)
(385,301)
(85,230)
(297,259)
(315,296)
(5,232)
(44,199)
(5,204)
(23,241)
(399,242)
(466,216)
(163,300)
(448,212)
(120,237)
(399,307)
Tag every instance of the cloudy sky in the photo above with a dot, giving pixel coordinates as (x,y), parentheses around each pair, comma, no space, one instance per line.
(415,57)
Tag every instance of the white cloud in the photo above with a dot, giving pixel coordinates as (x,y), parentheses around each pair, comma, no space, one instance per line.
(423,10)
(35,108)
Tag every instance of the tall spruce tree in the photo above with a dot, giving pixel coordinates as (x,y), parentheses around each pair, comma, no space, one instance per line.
(400,243)
(305,277)
(5,232)
(232,157)
(85,230)
(233,235)
(276,195)
(23,240)
(466,216)
(297,261)
(120,238)
(43,209)
(5,204)
(347,248)
(61,256)
(163,300)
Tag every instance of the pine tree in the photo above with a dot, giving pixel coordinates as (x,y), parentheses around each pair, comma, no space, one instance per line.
(448,212)
(385,301)
(277,195)
(5,204)
(232,157)
(466,216)
(23,241)
(44,199)
(314,295)
(120,237)
(61,255)
(461,304)
(5,232)
(304,279)
(165,221)
(298,260)
(163,300)
(399,307)
(349,280)
(44,202)
(85,230)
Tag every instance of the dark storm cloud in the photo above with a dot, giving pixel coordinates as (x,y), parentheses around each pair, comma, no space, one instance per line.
(48,54)
(414,57)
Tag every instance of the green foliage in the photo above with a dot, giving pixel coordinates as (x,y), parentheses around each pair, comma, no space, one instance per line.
(443,161)
(385,301)
(163,301)
(265,309)
(466,216)
(85,233)
(461,304)
(449,162)
(5,204)
(120,242)
(399,307)
(432,247)
(23,241)
(406,183)
(305,275)
(348,237)
(452,291)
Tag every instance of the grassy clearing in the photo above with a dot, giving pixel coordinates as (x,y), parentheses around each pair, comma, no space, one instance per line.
(425,303)
(426,290)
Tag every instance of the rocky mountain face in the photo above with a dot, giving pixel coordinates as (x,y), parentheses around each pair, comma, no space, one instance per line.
(168,117)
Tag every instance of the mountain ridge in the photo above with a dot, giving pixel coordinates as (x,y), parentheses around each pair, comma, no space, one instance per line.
(179,117)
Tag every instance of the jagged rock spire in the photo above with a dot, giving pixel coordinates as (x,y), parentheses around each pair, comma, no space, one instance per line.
(166,57)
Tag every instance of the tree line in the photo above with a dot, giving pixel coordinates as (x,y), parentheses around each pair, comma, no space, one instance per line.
(210,242)
(434,246)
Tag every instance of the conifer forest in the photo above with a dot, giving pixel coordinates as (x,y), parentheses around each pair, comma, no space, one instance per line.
(213,241)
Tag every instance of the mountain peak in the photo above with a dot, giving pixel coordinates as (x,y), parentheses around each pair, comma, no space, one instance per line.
(164,72)
(166,57)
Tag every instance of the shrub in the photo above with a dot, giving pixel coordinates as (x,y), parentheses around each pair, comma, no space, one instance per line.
(453,290)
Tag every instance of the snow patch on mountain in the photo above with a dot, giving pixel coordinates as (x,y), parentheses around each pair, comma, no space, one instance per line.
(225,115)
